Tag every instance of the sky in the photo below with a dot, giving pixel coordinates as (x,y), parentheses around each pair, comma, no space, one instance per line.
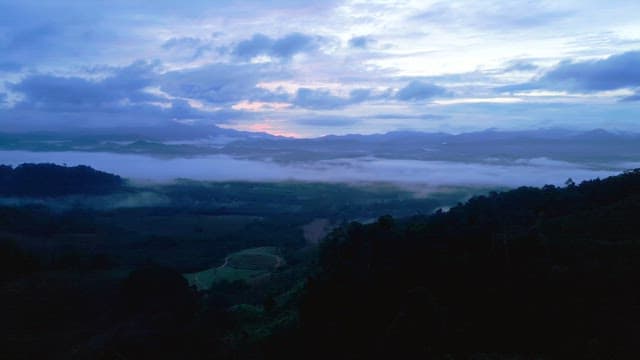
(311,68)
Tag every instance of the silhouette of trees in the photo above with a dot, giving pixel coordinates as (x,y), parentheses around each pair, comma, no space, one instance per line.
(545,272)
(15,262)
(50,180)
(156,289)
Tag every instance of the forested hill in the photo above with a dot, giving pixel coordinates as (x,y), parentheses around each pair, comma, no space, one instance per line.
(50,180)
(533,272)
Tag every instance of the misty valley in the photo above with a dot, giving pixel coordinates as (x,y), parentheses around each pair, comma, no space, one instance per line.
(95,265)
(319,180)
(71,242)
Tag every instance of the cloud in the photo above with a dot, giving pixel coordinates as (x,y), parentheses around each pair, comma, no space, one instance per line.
(520,65)
(360,95)
(57,93)
(284,48)
(35,35)
(59,33)
(614,72)
(191,47)
(181,43)
(318,99)
(634,97)
(119,99)
(69,33)
(116,117)
(322,99)
(361,42)
(408,117)
(225,84)
(10,66)
(182,110)
(493,15)
(140,94)
(328,47)
(258,45)
(418,90)
(292,44)
(464,117)
(327,121)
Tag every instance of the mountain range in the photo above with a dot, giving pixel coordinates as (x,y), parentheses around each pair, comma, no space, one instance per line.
(594,147)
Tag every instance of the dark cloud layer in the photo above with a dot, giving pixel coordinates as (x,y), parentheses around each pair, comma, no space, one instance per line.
(388,116)
(615,72)
(224,83)
(283,48)
(119,99)
(361,42)
(327,121)
(318,99)
(124,96)
(10,66)
(418,90)
(191,47)
(140,115)
(57,32)
(62,32)
(634,97)
(323,99)
(57,93)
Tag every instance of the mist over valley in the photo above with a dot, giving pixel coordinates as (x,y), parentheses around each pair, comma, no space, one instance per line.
(319,180)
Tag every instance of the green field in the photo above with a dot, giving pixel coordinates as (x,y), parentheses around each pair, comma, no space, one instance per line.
(245,265)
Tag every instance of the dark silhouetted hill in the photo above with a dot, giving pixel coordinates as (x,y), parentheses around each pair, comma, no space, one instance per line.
(529,273)
(50,180)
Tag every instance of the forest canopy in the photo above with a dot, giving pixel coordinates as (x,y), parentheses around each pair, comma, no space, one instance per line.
(50,180)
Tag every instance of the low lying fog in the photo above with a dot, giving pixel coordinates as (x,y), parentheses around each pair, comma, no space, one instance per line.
(535,172)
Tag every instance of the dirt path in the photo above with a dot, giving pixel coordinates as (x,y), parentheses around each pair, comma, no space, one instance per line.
(226,262)
(316,230)
(279,261)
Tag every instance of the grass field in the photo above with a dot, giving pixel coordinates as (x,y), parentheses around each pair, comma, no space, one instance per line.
(245,265)
(184,225)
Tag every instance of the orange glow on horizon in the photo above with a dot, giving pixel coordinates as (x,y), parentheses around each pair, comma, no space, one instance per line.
(267,127)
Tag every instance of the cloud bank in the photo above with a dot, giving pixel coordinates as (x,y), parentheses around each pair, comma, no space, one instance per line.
(614,72)
(252,64)
(534,172)
(282,48)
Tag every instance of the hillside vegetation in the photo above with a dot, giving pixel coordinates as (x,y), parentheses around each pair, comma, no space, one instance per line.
(533,272)
(223,271)
(50,180)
